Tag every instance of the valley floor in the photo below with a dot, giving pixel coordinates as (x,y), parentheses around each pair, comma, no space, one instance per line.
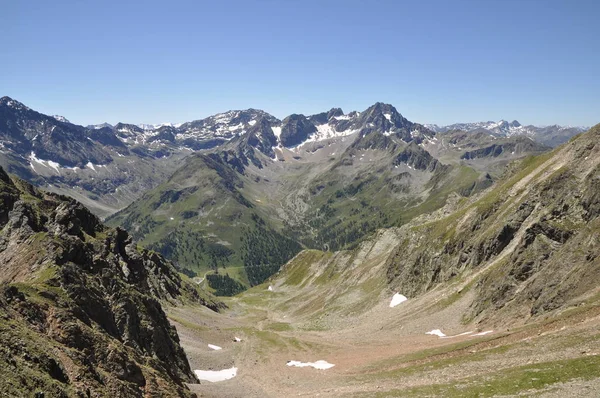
(386,351)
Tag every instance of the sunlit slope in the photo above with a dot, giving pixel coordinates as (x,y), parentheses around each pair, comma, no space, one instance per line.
(202,219)
(525,248)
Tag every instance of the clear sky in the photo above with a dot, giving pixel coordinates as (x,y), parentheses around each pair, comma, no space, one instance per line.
(173,61)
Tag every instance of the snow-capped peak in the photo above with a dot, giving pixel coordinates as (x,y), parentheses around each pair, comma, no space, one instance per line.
(145,126)
(61,118)
(501,127)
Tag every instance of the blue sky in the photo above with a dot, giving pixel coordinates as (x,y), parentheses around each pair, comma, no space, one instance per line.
(436,61)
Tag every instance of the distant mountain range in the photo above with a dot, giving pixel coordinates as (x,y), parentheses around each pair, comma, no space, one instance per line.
(548,135)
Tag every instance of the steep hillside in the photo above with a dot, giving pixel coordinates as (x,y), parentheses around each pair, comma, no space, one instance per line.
(104,168)
(527,247)
(201,219)
(378,181)
(80,311)
(27,132)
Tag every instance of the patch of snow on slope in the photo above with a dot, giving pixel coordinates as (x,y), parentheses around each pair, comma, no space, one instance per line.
(436,332)
(276,131)
(397,299)
(320,364)
(216,375)
(214,347)
(457,335)
(326,131)
(61,118)
(45,163)
(343,117)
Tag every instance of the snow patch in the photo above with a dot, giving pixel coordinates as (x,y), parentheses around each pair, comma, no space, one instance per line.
(326,131)
(484,333)
(276,131)
(342,117)
(457,335)
(45,163)
(270,288)
(436,332)
(397,299)
(320,364)
(215,376)
(214,347)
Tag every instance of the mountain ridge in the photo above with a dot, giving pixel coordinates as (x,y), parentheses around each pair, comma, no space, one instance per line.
(552,135)
(80,303)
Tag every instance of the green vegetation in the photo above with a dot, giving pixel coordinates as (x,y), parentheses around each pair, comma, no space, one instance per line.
(264,251)
(507,382)
(224,285)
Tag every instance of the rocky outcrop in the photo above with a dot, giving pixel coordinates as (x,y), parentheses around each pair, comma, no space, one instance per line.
(106,136)
(518,146)
(324,117)
(80,304)
(418,158)
(259,136)
(295,129)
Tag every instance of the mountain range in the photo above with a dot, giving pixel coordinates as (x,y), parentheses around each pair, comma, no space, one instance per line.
(107,167)
(327,180)
(547,135)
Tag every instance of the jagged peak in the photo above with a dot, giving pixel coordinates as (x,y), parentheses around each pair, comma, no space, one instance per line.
(130,126)
(12,103)
(295,116)
(381,110)
(382,107)
(334,112)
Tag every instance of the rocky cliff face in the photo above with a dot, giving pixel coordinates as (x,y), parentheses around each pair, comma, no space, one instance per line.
(79,304)
(295,129)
